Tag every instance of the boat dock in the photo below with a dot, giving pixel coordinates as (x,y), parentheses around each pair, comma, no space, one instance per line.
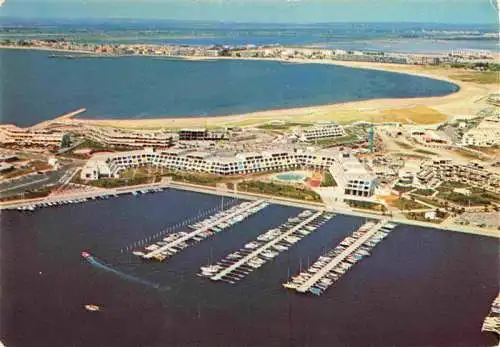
(175,242)
(330,267)
(277,239)
(61,200)
(492,321)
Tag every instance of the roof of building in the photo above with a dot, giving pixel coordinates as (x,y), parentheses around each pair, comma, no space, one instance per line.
(353,167)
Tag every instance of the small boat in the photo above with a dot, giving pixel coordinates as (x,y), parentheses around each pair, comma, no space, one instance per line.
(85,254)
(92,308)
(315,291)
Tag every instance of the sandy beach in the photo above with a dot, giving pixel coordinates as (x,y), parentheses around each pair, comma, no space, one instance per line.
(469,99)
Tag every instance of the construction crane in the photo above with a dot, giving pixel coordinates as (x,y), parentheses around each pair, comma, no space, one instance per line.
(371,136)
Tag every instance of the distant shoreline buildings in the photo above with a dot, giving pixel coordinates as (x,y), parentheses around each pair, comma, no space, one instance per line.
(253,51)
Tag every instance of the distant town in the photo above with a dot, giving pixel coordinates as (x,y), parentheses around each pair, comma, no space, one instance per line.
(485,59)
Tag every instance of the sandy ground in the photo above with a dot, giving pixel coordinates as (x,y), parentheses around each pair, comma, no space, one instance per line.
(468,100)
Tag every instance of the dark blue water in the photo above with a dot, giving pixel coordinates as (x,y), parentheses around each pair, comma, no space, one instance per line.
(36,87)
(420,287)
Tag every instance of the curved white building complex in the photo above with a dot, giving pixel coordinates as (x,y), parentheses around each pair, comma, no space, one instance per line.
(111,164)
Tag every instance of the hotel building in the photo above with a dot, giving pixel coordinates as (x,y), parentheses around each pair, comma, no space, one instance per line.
(130,138)
(110,165)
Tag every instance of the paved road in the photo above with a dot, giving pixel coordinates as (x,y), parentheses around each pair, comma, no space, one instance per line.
(33,181)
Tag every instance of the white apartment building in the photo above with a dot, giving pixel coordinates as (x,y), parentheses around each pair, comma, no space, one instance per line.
(11,134)
(322,131)
(486,134)
(473,174)
(130,138)
(352,177)
(110,165)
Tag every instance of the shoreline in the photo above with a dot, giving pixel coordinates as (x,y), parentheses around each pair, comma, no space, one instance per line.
(459,102)
(250,196)
(451,104)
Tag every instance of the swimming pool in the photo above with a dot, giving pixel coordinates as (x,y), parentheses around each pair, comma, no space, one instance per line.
(291,176)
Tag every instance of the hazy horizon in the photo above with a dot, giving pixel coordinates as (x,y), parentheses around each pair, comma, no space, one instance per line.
(462,12)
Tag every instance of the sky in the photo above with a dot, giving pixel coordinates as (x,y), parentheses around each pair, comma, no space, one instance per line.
(291,11)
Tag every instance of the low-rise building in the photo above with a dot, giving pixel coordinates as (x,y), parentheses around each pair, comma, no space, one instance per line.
(224,163)
(130,138)
(472,174)
(200,134)
(13,135)
(323,130)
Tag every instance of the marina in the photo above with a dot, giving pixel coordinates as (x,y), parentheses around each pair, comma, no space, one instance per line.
(61,201)
(331,266)
(176,242)
(268,245)
(188,308)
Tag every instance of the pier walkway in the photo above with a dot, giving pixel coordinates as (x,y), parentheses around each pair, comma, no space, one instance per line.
(271,243)
(201,230)
(304,287)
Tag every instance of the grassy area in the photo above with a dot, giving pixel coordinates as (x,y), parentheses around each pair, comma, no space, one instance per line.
(428,200)
(402,189)
(403,144)
(410,155)
(28,194)
(406,204)
(284,126)
(473,200)
(491,196)
(495,150)
(197,178)
(450,185)
(286,191)
(180,176)
(366,205)
(477,196)
(420,216)
(418,114)
(122,182)
(97,146)
(36,165)
(466,154)
(482,77)
(348,139)
(415,115)
(426,192)
(328,180)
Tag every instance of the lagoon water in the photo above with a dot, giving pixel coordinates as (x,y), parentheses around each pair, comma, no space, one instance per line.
(36,87)
(420,287)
